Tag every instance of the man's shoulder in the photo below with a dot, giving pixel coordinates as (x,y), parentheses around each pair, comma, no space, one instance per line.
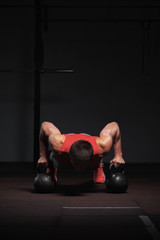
(56,141)
(104,143)
(59,137)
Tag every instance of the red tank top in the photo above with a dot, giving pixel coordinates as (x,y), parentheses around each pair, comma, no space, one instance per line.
(70,139)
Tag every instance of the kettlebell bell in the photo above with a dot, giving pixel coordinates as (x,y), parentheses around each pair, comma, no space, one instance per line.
(44,183)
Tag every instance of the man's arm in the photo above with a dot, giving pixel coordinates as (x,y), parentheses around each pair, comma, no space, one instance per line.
(47,131)
(111,136)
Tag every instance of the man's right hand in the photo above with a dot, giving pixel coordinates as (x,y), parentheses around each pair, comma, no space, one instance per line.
(43,160)
(42,165)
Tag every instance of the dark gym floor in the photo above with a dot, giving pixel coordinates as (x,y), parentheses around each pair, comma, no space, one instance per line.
(79,209)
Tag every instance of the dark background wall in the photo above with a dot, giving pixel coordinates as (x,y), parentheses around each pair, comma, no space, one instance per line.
(113,48)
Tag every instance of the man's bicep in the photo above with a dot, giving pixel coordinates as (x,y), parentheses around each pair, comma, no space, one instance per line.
(108,130)
(50,129)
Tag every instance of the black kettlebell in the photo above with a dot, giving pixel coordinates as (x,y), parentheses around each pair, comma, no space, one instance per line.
(117,181)
(44,183)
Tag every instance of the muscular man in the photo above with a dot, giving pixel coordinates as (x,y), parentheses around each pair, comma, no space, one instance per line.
(81,151)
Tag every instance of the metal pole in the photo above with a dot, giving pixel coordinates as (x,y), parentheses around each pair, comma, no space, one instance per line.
(38,62)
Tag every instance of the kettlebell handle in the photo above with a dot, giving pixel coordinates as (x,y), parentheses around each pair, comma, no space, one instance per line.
(113,169)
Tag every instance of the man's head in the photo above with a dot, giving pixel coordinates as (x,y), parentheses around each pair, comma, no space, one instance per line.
(81,153)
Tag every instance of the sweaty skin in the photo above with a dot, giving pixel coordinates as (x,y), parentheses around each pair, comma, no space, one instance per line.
(109,136)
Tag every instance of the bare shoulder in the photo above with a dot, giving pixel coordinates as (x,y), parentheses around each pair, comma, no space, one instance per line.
(104,143)
(56,141)
(107,136)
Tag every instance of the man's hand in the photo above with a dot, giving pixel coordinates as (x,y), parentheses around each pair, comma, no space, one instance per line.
(43,162)
(117,160)
(42,165)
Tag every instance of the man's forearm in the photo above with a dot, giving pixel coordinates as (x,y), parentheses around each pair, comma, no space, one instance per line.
(117,143)
(43,144)
(117,148)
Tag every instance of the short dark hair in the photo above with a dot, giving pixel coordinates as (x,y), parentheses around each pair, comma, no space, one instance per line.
(81,152)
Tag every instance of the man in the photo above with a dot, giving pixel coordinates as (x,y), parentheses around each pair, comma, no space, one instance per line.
(81,151)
